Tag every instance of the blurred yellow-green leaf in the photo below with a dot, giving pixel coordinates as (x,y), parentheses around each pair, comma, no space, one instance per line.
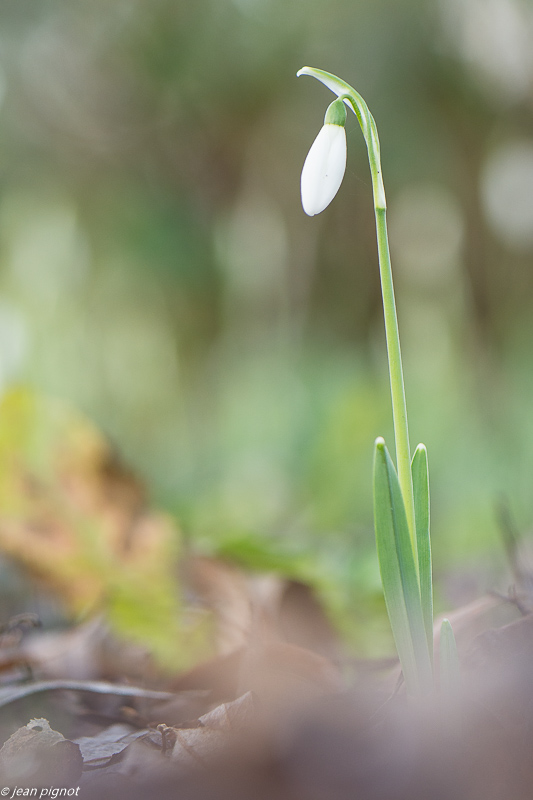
(79,523)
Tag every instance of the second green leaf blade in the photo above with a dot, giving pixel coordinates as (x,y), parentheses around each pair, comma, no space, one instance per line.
(399,574)
(419,469)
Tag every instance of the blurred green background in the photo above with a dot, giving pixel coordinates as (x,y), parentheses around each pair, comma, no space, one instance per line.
(157,270)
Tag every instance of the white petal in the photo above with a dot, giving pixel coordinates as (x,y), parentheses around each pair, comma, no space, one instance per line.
(323,169)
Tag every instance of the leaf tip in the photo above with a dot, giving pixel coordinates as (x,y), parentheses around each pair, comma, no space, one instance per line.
(380,443)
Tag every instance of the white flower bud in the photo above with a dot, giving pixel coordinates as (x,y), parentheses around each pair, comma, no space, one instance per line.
(325,164)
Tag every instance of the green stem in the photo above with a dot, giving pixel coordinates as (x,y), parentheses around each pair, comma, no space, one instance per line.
(399,408)
(354,100)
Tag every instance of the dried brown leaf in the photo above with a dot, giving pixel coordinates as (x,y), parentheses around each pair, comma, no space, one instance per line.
(89,651)
(142,758)
(303,621)
(224,589)
(507,648)
(199,746)
(277,672)
(468,621)
(219,676)
(234,716)
(36,755)
(98,749)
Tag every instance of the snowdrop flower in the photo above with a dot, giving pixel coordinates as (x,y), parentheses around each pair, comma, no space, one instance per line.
(324,166)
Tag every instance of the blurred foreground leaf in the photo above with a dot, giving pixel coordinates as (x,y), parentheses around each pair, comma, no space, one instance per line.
(77,521)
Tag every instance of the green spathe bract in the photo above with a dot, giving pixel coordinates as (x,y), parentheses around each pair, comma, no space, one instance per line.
(401,493)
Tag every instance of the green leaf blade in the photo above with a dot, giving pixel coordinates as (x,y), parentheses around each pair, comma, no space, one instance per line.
(399,574)
(450,670)
(419,469)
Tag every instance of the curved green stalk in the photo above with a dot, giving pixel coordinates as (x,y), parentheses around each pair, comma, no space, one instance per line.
(399,409)
(353,100)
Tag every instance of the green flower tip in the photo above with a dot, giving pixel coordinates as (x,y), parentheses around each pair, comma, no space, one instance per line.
(336,114)
(421,448)
(380,443)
